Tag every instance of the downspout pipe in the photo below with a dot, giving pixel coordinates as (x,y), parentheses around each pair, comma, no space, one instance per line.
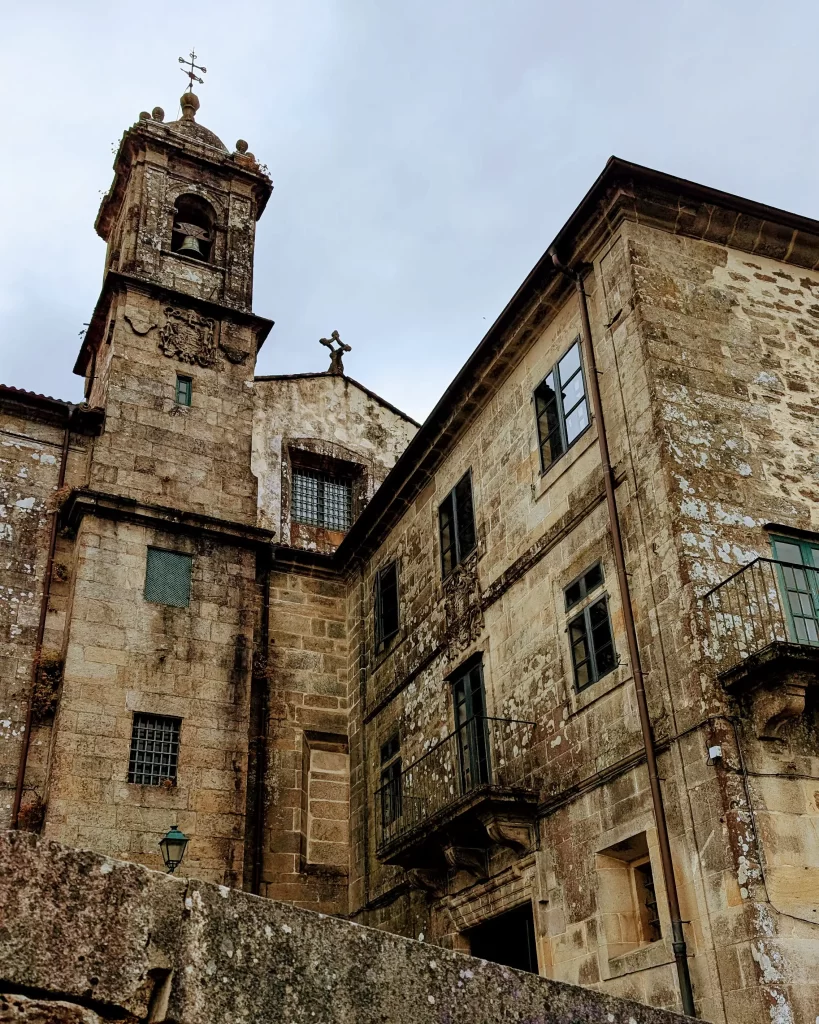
(260,740)
(678,936)
(38,645)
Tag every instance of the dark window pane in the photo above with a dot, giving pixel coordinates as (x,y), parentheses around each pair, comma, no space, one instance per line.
(391,793)
(387,602)
(574,593)
(466,517)
(548,421)
(593,578)
(580,651)
(447,528)
(601,637)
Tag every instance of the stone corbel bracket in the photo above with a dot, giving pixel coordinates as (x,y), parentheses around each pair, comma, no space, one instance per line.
(773,684)
(465,858)
(513,831)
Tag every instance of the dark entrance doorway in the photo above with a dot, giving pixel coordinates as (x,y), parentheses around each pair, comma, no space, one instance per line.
(507,939)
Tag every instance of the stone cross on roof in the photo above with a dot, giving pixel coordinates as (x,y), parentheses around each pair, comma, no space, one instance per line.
(193,78)
(336,365)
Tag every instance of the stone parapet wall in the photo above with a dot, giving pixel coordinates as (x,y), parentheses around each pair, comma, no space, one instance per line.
(84,938)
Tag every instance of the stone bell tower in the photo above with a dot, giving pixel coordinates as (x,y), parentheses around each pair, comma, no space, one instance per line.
(173,341)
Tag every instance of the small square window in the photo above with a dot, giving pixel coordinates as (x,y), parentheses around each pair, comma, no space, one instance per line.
(168,578)
(154,750)
(184,390)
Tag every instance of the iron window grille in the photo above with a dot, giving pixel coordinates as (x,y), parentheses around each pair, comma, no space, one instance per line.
(456,521)
(561,407)
(320,499)
(154,750)
(390,789)
(387,617)
(168,577)
(593,653)
(184,390)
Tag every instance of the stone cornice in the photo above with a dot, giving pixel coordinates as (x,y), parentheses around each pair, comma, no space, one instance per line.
(83,502)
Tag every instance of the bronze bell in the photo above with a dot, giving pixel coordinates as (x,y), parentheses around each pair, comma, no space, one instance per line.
(190,247)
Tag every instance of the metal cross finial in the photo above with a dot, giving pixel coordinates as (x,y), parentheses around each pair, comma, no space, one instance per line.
(189,73)
(336,366)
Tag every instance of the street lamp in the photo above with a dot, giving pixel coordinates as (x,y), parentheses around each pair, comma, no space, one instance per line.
(172,845)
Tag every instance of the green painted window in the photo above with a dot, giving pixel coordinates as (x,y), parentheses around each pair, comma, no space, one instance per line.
(168,578)
(184,390)
(799,579)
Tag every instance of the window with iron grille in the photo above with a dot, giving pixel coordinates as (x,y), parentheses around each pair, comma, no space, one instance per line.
(321,499)
(184,390)
(390,781)
(386,604)
(456,521)
(154,750)
(561,408)
(168,577)
(593,653)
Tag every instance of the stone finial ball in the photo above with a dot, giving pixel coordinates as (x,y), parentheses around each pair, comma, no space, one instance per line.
(144,115)
(158,114)
(189,99)
(241,146)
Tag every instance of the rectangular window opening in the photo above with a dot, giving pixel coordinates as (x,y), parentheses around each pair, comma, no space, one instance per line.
(627,896)
(456,523)
(321,499)
(508,939)
(472,738)
(184,390)
(391,795)
(168,577)
(561,407)
(154,750)
(592,644)
(387,617)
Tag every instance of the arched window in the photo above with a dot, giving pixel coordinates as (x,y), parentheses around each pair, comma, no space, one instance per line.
(193,220)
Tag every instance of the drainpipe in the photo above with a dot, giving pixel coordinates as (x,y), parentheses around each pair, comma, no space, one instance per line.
(260,740)
(678,937)
(38,646)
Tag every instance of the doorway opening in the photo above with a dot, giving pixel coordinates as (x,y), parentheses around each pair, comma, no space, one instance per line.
(507,939)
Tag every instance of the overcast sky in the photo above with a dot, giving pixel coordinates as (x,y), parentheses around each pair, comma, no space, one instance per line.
(424,154)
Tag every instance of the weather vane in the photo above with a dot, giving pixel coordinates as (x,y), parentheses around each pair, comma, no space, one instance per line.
(189,73)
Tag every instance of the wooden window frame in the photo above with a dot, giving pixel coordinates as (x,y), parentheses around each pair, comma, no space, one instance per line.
(382,637)
(460,546)
(561,413)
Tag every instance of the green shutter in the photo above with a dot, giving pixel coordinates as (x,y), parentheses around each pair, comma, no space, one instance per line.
(168,578)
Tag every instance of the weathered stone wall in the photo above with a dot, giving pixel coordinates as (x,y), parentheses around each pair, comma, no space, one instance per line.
(124,655)
(156,451)
(86,939)
(321,415)
(685,383)
(306,847)
(732,341)
(30,452)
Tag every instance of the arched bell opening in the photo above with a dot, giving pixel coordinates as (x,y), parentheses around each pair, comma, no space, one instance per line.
(193,220)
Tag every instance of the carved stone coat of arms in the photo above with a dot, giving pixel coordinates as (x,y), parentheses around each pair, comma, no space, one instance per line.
(462,600)
(188,337)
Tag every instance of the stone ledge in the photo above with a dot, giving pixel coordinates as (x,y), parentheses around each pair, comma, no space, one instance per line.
(87,937)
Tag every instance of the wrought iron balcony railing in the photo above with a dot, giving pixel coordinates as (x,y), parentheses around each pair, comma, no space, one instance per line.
(492,754)
(765,606)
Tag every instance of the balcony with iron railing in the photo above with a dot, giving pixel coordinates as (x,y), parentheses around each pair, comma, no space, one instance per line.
(472,788)
(764,637)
